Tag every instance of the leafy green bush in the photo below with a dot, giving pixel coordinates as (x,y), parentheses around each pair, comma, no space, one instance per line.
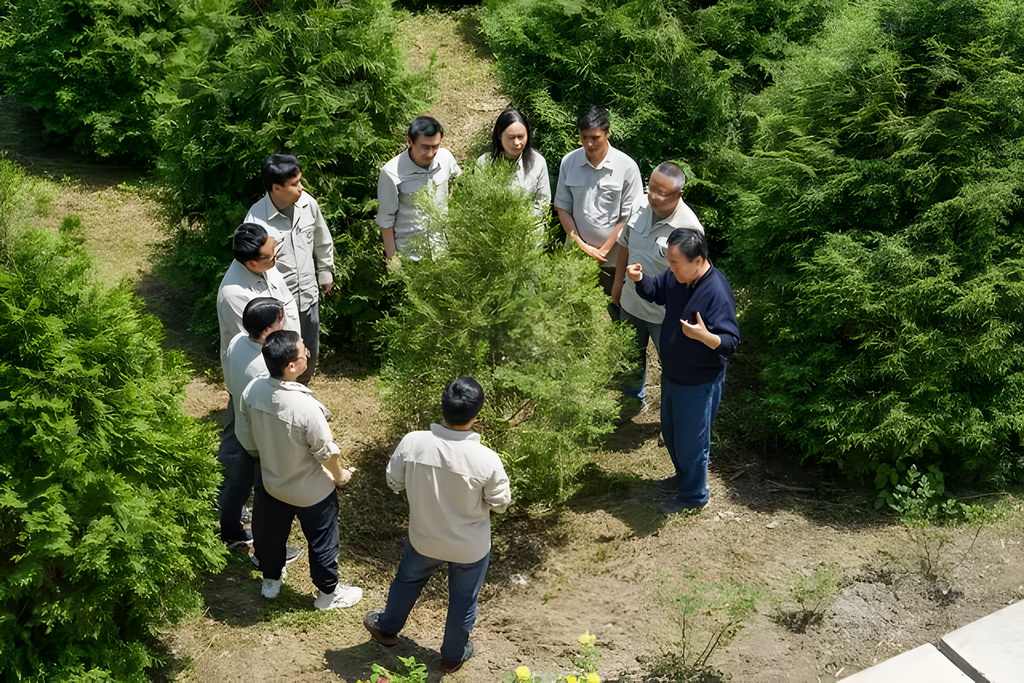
(88,67)
(106,485)
(881,241)
(556,57)
(530,326)
(319,79)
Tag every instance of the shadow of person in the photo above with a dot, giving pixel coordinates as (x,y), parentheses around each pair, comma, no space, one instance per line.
(356,663)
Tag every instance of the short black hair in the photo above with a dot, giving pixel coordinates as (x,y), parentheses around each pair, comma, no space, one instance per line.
(279,168)
(672,171)
(425,125)
(261,313)
(595,117)
(691,243)
(279,349)
(248,240)
(461,401)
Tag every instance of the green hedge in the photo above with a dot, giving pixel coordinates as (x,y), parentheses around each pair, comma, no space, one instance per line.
(315,78)
(106,486)
(881,241)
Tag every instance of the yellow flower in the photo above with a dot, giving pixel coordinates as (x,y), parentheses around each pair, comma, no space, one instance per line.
(571,679)
(587,640)
(592,678)
(523,673)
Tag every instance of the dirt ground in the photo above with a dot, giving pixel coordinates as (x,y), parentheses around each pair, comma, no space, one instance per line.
(604,563)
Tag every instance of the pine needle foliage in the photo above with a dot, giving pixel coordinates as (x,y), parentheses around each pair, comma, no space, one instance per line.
(106,486)
(319,79)
(881,240)
(529,325)
(88,67)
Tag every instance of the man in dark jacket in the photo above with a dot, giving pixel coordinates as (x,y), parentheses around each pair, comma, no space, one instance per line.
(694,352)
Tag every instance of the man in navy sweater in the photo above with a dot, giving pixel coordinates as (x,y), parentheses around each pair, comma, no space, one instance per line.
(694,351)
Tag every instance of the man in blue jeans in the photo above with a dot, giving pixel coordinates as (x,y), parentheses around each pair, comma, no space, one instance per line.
(453,483)
(698,335)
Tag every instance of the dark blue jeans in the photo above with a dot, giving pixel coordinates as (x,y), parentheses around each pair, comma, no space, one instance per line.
(687,413)
(645,332)
(239,469)
(272,522)
(464,582)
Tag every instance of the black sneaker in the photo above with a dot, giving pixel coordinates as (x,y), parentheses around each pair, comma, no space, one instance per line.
(291,553)
(246,539)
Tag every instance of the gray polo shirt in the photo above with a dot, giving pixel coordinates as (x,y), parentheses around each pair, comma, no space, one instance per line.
(399,180)
(646,237)
(305,249)
(598,197)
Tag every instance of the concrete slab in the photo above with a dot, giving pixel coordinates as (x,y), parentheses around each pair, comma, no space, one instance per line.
(991,648)
(923,663)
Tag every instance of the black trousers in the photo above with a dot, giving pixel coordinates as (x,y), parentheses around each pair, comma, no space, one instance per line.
(272,522)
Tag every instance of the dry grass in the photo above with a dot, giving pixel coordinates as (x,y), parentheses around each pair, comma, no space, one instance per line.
(468,98)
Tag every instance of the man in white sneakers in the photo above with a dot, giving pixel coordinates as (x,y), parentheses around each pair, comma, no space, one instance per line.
(280,419)
(454,483)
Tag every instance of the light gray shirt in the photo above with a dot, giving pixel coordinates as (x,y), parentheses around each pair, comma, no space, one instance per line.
(305,249)
(454,483)
(240,286)
(536,183)
(646,237)
(242,364)
(288,427)
(599,198)
(399,180)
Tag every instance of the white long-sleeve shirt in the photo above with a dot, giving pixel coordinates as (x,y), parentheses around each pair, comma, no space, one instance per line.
(454,483)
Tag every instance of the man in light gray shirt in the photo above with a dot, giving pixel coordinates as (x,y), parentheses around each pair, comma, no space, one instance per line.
(454,483)
(424,164)
(644,240)
(281,421)
(597,187)
(305,248)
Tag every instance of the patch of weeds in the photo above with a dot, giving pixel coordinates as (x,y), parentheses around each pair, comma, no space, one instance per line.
(415,671)
(934,524)
(808,597)
(702,617)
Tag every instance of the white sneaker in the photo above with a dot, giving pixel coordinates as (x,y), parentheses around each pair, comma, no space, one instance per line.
(343,596)
(271,587)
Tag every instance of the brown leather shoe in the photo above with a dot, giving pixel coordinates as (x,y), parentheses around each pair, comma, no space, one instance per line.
(370,622)
(451,667)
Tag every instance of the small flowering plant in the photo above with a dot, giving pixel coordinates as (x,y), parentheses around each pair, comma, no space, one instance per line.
(585,664)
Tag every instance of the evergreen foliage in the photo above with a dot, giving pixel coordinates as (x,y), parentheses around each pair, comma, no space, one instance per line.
(881,240)
(556,57)
(318,79)
(88,68)
(530,326)
(106,518)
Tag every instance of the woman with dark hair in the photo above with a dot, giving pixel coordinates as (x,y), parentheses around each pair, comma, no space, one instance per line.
(511,140)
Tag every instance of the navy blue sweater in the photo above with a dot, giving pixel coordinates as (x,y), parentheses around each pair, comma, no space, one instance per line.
(685,360)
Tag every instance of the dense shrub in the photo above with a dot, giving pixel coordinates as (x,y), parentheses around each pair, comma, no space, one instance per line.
(315,78)
(634,57)
(88,67)
(106,486)
(530,326)
(881,243)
